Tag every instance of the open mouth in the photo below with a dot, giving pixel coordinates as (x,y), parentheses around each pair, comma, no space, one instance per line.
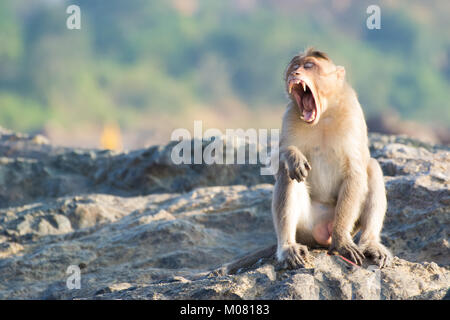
(305,99)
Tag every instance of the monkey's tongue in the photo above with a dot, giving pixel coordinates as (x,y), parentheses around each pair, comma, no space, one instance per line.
(309,108)
(309,115)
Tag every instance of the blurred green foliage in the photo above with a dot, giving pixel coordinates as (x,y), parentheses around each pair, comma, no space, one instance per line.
(137,57)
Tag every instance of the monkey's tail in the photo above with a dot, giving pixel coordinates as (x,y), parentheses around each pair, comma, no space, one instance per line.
(246,261)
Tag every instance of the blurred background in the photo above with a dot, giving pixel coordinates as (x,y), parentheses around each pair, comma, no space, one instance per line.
(138,69)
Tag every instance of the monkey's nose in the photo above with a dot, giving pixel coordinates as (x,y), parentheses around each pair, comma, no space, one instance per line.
(296,73)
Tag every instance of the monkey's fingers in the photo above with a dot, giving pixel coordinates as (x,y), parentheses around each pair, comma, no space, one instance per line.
(295,262)
(304,171)
(307,165)
(296,174)
(300,172)
(383,262)
(350,252)
(303,254)
(379,254)
(295,257)
(355,255)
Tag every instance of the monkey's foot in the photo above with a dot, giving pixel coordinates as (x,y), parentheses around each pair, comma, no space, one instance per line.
(293,257)
(377,253)
(348,250)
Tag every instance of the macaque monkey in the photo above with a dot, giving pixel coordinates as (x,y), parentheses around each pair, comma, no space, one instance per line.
(327,186)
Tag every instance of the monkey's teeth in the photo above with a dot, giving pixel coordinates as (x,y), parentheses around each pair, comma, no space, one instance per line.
(304,86)
(291,84)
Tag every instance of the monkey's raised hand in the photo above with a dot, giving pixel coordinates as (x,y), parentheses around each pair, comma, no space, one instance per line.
(296,162)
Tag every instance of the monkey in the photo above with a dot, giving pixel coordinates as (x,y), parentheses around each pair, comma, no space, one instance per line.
(327,187)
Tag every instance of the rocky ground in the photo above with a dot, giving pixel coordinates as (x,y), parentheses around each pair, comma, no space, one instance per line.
(140,227)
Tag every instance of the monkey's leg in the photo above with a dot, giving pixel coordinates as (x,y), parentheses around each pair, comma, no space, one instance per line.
(351,196)
(372,216)
(290,207)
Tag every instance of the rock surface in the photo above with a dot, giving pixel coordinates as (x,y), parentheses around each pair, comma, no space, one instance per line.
(139,227)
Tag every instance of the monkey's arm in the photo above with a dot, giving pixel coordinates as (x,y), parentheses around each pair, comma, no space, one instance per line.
(351,196)
(290,200)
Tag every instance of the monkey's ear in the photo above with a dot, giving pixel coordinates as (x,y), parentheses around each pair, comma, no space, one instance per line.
(340,70)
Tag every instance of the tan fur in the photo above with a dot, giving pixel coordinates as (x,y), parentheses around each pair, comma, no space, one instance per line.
(326,177)
(335,145)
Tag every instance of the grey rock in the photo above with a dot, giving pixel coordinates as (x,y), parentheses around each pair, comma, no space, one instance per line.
(140,227)
(30,170)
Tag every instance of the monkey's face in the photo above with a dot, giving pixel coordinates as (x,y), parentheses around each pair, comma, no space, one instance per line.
(310,83)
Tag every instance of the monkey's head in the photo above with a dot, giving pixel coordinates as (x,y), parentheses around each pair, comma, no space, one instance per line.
(312,82)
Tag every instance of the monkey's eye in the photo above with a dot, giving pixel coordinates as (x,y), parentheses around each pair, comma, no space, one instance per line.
(308,65)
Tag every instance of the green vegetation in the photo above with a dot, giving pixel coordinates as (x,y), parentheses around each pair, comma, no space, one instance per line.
(140,57)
